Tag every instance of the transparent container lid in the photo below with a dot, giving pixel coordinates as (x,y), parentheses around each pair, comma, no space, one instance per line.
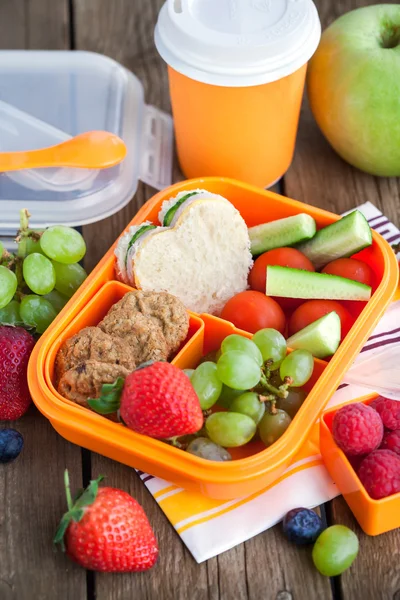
(46,97)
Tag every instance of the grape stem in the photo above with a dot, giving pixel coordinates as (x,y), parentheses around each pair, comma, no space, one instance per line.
(272,407)
(287,382)
(25,233)
(281,393)
(267,368)
(19,296)
(7,259)
(174,441)
(22,236)
(268,398)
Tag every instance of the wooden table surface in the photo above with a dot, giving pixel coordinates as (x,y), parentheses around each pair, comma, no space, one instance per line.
(31,489)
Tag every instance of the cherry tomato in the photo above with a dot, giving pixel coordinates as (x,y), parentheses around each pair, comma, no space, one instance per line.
(283,257)
(351,269)
(312,310)
(253,311)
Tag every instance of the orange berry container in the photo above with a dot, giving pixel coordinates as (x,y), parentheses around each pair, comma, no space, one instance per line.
(374,516)
(254,466)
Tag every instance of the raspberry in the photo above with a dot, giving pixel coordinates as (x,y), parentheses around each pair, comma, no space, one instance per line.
(391,441)
(389,411)
(380,473)
(357,429)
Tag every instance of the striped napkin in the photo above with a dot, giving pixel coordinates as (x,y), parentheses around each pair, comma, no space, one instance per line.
(209,527)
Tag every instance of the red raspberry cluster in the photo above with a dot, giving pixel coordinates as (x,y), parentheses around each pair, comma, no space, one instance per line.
(369,435)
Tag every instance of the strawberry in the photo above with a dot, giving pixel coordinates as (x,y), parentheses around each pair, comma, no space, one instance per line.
(106,530)
(16,345)
(157,400)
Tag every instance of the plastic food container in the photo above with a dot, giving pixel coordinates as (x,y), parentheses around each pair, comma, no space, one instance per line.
(255,466)
(236,71)
(48,97)
(374,516)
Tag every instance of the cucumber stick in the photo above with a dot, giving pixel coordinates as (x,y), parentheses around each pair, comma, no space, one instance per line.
(321,338)
(343,238)
(283,232)
(296,283)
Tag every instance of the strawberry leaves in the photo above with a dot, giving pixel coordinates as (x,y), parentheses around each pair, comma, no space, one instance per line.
(76,509)
(110,398)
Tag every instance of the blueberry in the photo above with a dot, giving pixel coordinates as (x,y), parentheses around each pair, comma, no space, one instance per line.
(11,444)
(302,526)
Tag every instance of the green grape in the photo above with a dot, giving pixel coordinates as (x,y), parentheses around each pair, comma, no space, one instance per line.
(63,244)
(292,403)
(8,286)
(242,344)
(68,278)
(9,315)
(39,273)
(272,345)
(227,395)
(249,404)
(33,246)
(188,372)
(229,429)
(298,365)
(273,425)
(56,299)
(207,384)
(335,550)
(238,370)
(37,312)
(1,249)
(205,448)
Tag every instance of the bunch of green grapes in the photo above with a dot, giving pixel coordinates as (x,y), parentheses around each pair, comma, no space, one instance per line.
(258,384)
(37,281)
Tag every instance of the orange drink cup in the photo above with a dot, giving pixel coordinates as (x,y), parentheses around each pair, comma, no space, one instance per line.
(236,72)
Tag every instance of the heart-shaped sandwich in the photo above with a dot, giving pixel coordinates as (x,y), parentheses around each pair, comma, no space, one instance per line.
(200,253)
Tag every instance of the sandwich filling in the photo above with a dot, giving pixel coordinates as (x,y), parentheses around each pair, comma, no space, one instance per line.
(126,242)
(172,209)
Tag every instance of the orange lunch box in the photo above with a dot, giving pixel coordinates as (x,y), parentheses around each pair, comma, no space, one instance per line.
(254,466)
(374,516)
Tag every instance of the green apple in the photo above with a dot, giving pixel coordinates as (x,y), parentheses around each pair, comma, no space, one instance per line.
(353,85)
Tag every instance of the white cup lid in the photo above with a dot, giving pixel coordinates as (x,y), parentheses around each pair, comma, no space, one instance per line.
(237,42)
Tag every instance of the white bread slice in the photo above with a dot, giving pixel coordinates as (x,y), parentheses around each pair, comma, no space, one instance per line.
(204,259)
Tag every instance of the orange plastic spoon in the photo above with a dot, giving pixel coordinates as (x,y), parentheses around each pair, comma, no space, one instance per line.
(90,150)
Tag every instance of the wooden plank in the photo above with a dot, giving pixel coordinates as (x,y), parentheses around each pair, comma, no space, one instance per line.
(375,574)
(36,24)
(266,566)
(32,501)
(124,31)
(319,177)
(32,498)
(175,575)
